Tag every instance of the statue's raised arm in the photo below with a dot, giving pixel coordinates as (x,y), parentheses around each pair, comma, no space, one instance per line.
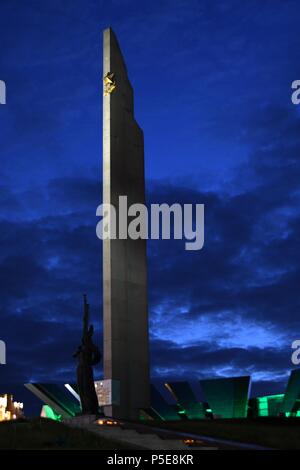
(86,314)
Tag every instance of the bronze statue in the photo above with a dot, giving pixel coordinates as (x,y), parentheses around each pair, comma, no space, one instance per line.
(88,356)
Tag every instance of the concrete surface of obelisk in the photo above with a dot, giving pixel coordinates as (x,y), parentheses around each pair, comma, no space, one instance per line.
(125,315)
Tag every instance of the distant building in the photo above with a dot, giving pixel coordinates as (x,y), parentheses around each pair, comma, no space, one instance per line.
(10,409)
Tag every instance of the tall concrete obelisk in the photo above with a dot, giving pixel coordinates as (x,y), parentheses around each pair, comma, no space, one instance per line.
(126,357)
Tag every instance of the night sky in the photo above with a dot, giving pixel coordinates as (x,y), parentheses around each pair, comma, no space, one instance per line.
(212,83)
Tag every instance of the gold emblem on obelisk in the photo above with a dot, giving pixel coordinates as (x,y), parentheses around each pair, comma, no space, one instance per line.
(109,83)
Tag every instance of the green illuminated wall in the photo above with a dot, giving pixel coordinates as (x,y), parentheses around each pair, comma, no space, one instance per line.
(57,397)
(185,397)
(49,413)
(228,398)
(269,405)
(291,404)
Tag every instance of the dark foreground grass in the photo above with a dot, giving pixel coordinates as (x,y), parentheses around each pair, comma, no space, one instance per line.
(48,434)
(276,433)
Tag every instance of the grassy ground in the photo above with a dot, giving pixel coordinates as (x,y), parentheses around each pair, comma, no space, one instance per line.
(48,434)
(275,433)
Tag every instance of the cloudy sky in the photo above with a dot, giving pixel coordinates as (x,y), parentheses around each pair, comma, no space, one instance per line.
(212,83)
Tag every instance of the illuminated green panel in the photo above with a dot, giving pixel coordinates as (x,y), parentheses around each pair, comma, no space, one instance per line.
(185,397)
(228,398)
(269,405)
(295,414)
(60,395)
(292,394)
(263,406)
(50,413)
(57,397)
